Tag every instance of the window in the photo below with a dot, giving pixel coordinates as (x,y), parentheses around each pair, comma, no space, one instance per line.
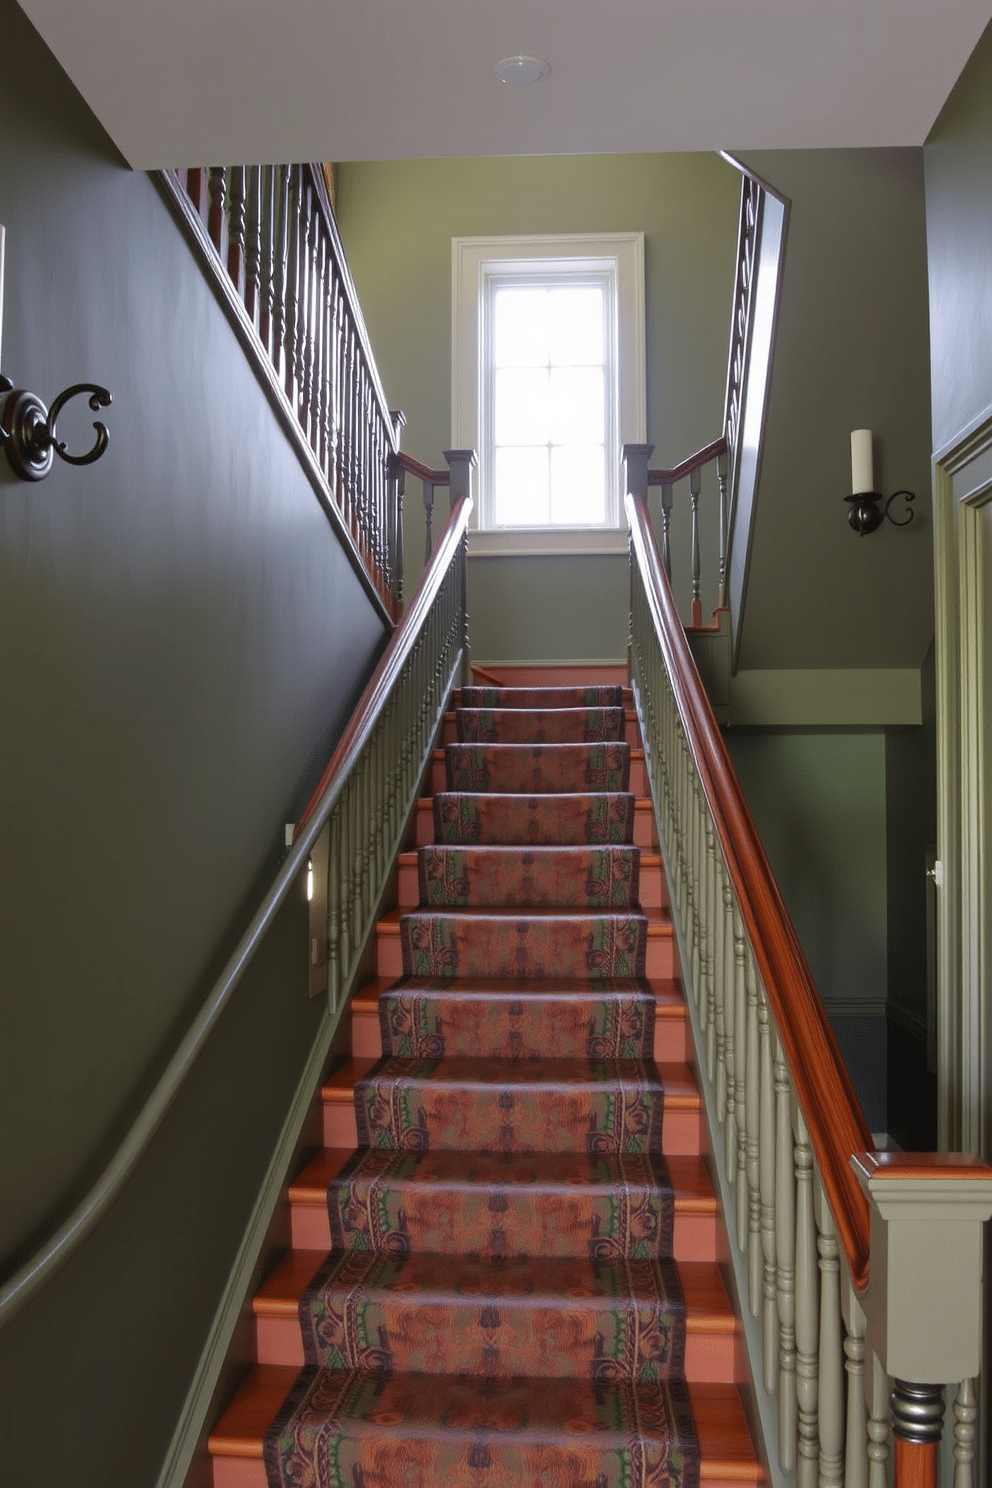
(548,384)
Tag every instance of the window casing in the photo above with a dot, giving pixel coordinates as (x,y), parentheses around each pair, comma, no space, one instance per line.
(549,417)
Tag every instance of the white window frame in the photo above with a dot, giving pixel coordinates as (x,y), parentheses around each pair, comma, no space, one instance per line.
(479,264)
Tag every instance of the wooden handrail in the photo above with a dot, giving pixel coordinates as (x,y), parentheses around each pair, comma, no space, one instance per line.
(364,718)
(830,1106)
(423,472)
(695,462)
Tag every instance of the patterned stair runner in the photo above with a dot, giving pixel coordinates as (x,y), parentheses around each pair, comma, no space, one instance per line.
(500,1307)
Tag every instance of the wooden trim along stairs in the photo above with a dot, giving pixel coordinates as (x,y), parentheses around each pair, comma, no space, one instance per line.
(715,1368)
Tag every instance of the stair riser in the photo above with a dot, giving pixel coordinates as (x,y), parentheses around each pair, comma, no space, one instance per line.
(671,1044)
(645,834)
(696,1237)
(651,893)
(683,1132)
(631,732)
(638,775)
(659,961)
(709,1357)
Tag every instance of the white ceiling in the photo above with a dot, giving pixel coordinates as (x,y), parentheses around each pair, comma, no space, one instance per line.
(231,81)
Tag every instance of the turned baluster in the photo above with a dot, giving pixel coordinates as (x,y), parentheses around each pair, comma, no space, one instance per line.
(706,937)
(757,1029)
(304,325)
(830,1394)
(917,1426)
(215,216)
(326,365)
(695,485)
(267,224)
(807,1312)
(965,1416)
(253,244)
(878,1425)
(740,1079)
(196,188)
(722,468)
(280,241)
(718,964)
(290,340)
(667,492)
(766,1195)
(856,1424)
(785,1253)
(236,226)
(334,907)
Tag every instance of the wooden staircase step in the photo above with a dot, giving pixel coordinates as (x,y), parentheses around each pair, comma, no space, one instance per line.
(712,1330)
(683,1131)
(631,732)
(645,831)
(698,1232)
(671,1032)
(653,893)
(659,959)
(727,1457)
(638,771)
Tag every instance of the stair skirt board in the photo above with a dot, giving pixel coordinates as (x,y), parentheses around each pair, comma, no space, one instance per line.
(504,1269)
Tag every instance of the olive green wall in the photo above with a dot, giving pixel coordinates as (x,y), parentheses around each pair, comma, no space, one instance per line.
(181,638)
(958,166)
(397,219)
(818,801)
(851,352)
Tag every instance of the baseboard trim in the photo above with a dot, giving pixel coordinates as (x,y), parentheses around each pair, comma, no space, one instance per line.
(190,1434)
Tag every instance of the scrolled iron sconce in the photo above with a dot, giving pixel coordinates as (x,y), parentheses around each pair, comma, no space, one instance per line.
(867,513)
(28,429)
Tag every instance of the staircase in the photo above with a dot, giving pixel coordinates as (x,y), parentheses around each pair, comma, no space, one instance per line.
(505,1264)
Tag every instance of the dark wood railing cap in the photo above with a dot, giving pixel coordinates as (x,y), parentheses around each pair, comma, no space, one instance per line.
(694,462)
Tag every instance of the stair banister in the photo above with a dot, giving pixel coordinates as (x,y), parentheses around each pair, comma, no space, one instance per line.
(362,804)
(266,235)
(814,1270)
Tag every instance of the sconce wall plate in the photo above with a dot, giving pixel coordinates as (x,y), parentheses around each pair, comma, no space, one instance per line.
(29,434)
(866,514)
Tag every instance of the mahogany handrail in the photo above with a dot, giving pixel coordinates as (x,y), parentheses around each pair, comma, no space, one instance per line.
(423,472)
(694,462)
(830,1106)
(53,1254)
(401,642)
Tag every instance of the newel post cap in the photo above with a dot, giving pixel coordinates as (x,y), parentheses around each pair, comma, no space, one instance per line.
(461,463)
(635,459)
(923,1300)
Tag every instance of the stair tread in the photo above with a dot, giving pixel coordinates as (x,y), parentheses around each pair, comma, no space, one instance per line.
(707,1305)
(725,1446)
(658,920)
(690,1182)
(669,1002)
(681,1091)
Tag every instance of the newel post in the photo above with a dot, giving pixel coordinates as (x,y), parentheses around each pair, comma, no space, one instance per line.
(923,1303)
(398,418)
(635,466)
(461,463)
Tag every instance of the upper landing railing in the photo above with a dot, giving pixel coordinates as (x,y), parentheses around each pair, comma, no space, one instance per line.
(267,234)
(859,1273)
(729,464)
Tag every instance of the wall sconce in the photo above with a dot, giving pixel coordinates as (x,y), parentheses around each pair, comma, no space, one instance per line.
(28,429)
(866,513)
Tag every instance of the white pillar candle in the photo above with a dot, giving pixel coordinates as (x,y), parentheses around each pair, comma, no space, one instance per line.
(862,465)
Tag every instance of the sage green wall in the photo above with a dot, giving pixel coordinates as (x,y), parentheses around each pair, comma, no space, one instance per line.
(181,637)
(851,352)
(397,219)
(819,802)
(958,166)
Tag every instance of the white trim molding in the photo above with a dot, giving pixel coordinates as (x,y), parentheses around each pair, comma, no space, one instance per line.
(480,263)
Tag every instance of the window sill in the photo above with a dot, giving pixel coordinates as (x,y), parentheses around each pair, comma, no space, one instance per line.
(531,542)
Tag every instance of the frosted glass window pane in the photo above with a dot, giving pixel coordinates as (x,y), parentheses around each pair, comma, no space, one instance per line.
(520,328)
(576,329)
(577,412)
(521,487)
(578,487)
(521,414)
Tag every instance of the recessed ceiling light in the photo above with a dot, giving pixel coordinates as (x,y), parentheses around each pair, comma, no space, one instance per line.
(520,70)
